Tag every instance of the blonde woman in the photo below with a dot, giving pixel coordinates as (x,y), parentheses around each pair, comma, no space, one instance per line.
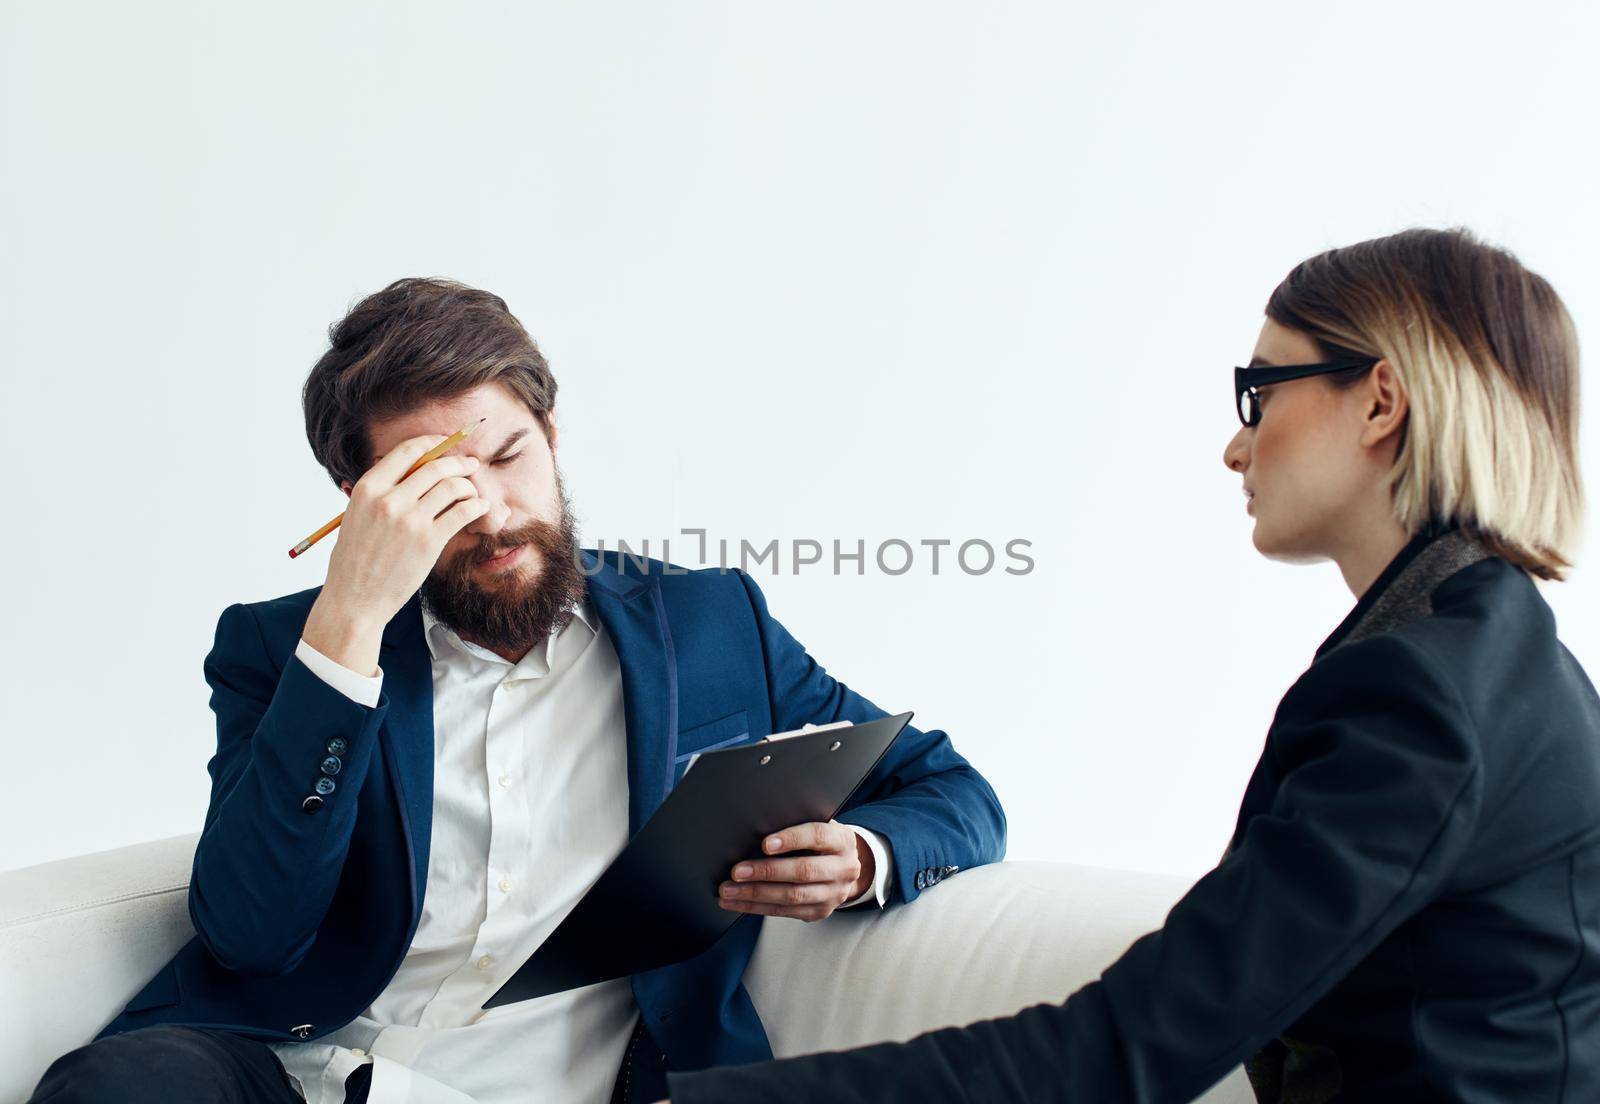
(1409,909)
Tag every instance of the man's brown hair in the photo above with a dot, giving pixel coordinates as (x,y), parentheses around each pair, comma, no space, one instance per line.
(418,340)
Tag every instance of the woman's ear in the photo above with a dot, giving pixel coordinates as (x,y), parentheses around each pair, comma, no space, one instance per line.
(1385,405)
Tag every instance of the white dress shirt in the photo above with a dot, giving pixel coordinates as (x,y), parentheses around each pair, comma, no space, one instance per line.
(530,804)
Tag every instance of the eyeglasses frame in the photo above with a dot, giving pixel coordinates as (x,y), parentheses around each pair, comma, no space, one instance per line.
(1247,380)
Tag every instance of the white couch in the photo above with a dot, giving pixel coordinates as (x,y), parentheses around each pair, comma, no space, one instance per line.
(79,937)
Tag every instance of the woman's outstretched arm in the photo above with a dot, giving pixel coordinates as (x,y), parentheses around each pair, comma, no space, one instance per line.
(1376,770)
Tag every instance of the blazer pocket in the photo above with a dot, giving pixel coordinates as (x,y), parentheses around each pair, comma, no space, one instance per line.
(722,732)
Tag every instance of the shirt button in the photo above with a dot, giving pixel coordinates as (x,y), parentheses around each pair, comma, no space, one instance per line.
(485,962)
(358,1052)
(505,781)
(505,885)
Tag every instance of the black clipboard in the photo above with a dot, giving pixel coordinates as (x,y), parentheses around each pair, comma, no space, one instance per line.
(656,903)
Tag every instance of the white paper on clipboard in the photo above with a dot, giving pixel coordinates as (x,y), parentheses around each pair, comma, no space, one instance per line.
(802,730)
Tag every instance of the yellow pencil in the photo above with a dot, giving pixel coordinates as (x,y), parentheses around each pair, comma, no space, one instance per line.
(434,453)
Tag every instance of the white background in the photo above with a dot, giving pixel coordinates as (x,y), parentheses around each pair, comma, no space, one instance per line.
(830,271)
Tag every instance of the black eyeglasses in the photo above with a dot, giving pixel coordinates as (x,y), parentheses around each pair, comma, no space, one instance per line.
(1245,381)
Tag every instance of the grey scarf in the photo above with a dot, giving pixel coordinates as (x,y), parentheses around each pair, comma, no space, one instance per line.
(1409,597)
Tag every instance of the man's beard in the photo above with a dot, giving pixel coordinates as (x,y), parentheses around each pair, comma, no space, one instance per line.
(517,612)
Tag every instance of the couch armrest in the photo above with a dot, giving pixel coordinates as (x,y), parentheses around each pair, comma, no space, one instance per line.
(987,942)
(78,938)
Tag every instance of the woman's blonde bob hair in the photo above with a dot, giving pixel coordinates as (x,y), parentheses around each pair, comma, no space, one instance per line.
(1488,358)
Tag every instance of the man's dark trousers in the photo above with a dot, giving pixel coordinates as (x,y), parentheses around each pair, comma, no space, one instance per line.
(155,1065)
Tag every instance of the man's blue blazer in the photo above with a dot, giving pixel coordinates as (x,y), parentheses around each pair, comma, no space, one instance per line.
(303,917)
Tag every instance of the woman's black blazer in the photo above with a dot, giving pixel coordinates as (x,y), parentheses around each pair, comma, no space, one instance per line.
(1409,909)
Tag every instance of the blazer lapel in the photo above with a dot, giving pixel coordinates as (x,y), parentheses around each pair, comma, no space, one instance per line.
(407,731)
(635,617)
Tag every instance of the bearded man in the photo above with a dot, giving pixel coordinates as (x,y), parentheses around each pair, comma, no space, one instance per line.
(423,764)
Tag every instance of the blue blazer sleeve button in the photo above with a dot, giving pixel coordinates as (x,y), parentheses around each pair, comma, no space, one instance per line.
(331,765)
(337,746)
(324,786)
(311,804)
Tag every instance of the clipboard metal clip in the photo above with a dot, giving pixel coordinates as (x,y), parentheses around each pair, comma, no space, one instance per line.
(801,731)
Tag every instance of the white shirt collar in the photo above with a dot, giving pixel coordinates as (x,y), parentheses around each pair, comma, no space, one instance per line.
(440,636)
